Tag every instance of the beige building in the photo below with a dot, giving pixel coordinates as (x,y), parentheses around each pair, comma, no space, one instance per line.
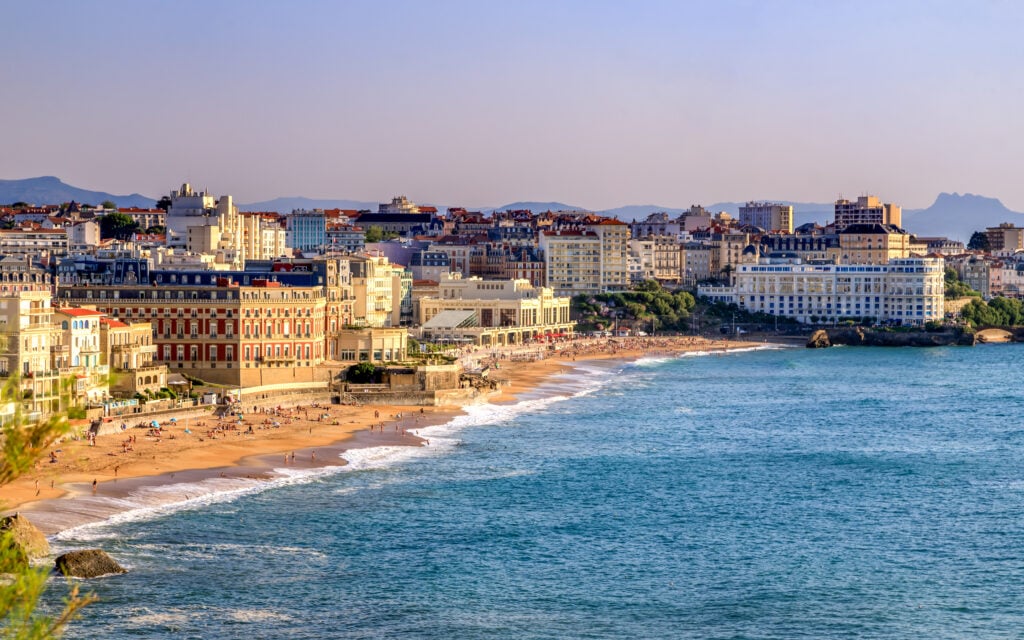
(614,259)
(1006,237)
(372,290)
(490,312)
(769,216)
(373,345)
(871,244)
(694,263)
(128,349)
(572,261)
(867,210)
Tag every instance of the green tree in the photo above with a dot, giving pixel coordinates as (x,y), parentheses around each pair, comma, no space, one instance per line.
(978,241)
(164,203)
(23,443)
(117,225)
(108,204)
(377,234)
(362,373)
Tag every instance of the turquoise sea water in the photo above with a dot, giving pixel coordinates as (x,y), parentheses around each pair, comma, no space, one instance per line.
(839,493)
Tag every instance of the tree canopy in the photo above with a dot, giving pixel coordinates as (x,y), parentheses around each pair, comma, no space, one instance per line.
(648,302)
(999,312)
(117,225)
(978,241)
(955,288)
(377,234)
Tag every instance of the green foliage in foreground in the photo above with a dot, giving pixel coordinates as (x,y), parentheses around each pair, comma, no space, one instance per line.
(999,312)
(22,585)
(649,303)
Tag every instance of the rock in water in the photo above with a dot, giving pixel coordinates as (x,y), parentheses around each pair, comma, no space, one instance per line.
(88,563)
(819,340)
(28,542)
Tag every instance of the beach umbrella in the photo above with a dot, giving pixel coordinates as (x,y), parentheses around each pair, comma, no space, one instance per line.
(174,419)
(154,424)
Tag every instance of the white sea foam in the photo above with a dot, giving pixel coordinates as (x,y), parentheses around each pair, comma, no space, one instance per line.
(99,516)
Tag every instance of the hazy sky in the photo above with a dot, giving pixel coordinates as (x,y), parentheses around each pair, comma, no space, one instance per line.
(597,104)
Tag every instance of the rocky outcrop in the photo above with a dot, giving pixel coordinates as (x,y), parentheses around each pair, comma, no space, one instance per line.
(25,540)
(88,563)
(819,340)
(860,336)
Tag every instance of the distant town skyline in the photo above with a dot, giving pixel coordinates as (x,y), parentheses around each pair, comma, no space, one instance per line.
(595,104)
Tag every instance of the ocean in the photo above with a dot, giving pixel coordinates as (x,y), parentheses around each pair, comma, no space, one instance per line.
(780,493)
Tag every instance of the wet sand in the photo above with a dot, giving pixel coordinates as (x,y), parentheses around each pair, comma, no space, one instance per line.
(226,448)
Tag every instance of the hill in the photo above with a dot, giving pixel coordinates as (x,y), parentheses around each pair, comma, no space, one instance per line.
(289,204)
(50,190)
(957,216)
(537,207)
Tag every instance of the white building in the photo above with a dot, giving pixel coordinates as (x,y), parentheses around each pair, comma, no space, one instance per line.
(908,291)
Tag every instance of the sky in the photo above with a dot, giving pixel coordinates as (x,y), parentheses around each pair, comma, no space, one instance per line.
(595,104)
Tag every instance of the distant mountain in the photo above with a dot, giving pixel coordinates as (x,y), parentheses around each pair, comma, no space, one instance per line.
(287,205)
(50,190)
(536,207)
(639,211)
(957,216)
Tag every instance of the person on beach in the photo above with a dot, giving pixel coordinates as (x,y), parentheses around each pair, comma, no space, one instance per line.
(94,485)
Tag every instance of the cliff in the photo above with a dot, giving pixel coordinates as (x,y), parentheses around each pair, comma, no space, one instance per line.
(861,336)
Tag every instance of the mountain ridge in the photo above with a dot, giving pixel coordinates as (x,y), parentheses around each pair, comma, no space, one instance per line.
(52,190)
(952,214)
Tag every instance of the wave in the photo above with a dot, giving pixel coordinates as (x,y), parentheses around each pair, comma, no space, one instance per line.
(96,517)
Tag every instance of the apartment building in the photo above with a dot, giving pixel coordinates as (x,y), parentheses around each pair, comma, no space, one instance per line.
(769,216)
(866,210)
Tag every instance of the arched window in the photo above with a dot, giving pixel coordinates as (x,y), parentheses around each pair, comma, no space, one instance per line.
(64,325)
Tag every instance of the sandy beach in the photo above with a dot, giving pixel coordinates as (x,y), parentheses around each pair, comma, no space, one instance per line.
(306,436)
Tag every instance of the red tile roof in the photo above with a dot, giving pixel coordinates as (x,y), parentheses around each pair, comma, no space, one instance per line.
(75,311)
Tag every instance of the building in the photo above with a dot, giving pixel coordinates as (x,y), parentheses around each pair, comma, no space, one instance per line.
(34,242)
(343,237)
(263,333)
(307,230)
(492,312)
(871,244)
(372,290)
(866,210)
(399,205)
(769,216)
(572,261)
(614,261)
(694,263)
(906,291)
(128,350)
(145,218)
(190,208)
(1005,238)
(429,265)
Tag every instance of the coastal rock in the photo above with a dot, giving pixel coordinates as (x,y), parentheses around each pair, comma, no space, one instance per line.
(26,540)
(88,563)
(860,336)
(818,340)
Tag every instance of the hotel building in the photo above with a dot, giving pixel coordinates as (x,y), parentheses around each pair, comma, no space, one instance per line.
(906,291)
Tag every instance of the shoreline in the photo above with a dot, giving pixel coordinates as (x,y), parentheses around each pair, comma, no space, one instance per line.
(240,457)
